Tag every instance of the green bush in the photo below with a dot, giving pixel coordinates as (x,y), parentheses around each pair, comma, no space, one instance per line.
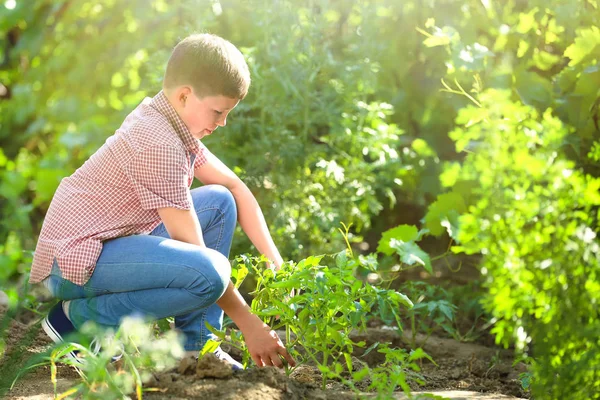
(533,216)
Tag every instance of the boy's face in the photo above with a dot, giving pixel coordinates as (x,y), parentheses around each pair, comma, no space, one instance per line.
(202,116)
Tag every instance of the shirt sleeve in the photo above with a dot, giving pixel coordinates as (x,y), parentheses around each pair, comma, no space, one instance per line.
(160,178)
(201,158)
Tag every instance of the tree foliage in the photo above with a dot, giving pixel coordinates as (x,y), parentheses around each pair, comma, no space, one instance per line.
(534,217)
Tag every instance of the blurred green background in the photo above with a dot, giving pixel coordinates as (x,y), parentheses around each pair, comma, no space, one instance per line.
(362,112)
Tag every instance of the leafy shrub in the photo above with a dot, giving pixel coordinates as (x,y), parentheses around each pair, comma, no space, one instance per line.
(142,354)
(531,216)
(329,305)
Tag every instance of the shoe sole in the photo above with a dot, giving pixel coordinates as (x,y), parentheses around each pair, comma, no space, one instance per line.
(56,338)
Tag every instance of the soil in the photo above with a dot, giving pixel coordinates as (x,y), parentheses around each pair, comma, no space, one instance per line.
(463,371)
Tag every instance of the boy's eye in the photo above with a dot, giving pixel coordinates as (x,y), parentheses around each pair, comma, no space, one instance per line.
(218,112)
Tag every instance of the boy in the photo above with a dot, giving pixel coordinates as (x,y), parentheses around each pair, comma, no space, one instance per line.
(124,234)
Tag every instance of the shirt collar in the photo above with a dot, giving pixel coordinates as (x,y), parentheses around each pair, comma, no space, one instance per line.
(162,104)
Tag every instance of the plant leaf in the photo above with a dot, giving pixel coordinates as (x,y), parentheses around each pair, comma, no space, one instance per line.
(405,233)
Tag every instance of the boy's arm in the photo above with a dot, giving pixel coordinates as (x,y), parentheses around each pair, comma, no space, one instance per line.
(264,345)
(182,225)
(250,216)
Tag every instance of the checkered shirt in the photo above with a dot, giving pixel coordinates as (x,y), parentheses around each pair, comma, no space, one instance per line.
(145,165)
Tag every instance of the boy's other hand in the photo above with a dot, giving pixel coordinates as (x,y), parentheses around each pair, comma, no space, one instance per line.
(265,346)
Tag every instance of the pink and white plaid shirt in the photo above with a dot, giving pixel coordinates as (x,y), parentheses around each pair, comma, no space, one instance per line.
(144,166)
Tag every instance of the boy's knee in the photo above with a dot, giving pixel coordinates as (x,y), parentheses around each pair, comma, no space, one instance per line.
(223,196)
(215,276)
(223,269)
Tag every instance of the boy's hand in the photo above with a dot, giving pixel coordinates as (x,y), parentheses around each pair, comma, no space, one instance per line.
(265,346)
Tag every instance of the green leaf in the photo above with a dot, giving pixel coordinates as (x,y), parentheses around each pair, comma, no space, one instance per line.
(369,262)
(405,233)
(360,375)
(210,346)
(418,354)
(441,37)
(422,148)
(527,21)
(356,316)
(348,361)
(400,299)
(443,214)
(384,310)
(238,274)
(451,223)
(269,311)
(338,368)
(370,348)
(313,261)
(446,310)
(3,159)
(410,253)
(290,284)
(341,259)
(533,89)
(544,60)
(434,41)
(335,335)
(584,45)
(220,334)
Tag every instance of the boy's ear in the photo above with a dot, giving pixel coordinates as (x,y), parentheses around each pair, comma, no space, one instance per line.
(183,94)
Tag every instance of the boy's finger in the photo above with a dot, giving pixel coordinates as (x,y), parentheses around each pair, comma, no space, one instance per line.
(276,360)
(256,360)
(266,359)
(288,357)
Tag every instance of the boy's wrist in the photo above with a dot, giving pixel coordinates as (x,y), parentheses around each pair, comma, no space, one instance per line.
(237,309)
(248,322)
(275,263)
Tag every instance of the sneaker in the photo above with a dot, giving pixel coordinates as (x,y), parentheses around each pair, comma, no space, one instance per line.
(223,355)
(59,328)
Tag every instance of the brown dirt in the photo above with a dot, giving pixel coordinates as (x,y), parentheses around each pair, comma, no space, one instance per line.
(461,366)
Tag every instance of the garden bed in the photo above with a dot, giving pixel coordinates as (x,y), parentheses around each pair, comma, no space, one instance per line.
(461,367)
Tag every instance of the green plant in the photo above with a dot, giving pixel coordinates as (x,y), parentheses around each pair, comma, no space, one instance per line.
(430,311)
(398,368)
(533,216)
(457,310)
(327,304)
(470,316)
(526,376)
(234,338)
(142,354)
(330,304)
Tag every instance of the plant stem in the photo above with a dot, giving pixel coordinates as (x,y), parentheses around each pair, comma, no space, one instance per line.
(325,357)
(413,330)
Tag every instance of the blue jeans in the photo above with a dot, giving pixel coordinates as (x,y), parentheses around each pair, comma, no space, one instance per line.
(157,277)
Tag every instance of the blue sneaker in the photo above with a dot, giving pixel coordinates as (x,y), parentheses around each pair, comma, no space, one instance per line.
(58,327)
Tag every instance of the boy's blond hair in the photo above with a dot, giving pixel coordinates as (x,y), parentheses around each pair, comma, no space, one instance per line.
(211,65)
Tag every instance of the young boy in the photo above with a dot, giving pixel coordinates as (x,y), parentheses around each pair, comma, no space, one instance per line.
(125,235)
